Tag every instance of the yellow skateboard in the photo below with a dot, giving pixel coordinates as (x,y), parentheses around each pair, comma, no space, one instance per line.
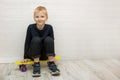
(22,65)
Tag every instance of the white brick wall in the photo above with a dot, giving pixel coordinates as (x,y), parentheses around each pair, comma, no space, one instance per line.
(83,28)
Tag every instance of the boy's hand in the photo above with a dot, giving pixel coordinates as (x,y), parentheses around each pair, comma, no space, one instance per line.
(26,60)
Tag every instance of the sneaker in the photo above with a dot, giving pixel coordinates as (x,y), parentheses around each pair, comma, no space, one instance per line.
(36,69)
(53,69)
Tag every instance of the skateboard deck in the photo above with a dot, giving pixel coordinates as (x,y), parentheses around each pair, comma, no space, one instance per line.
(31,62)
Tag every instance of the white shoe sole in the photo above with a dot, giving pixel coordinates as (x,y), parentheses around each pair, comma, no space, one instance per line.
(55,73)
(36,75)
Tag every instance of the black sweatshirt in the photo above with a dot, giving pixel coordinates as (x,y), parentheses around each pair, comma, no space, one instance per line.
(33,31)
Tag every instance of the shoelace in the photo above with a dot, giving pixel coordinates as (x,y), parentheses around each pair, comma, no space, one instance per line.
(36,68)
(53,67)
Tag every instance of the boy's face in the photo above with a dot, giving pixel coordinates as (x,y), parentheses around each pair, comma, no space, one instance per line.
(40,18)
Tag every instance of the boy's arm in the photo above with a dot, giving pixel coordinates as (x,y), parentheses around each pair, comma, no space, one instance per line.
(51,32)
(27,43)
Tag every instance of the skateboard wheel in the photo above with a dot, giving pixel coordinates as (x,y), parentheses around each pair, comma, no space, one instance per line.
(23,68)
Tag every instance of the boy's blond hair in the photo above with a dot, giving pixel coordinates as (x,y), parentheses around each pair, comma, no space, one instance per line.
(41,8)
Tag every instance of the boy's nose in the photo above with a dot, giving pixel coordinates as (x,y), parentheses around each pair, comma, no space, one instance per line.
(39,18)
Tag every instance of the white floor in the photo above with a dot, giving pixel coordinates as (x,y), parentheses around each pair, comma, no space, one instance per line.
(107,69)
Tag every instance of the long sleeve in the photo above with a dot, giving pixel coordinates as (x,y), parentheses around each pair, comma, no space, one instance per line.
(27,43)
(51,32)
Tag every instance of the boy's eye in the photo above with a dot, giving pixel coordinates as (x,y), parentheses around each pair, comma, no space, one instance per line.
(42,16)
(36,16)
(39,16)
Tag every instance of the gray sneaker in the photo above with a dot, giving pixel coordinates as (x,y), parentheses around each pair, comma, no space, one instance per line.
(53,68)
(36,69)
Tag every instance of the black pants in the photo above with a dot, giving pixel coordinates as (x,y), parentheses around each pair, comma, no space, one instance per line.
(41,48)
